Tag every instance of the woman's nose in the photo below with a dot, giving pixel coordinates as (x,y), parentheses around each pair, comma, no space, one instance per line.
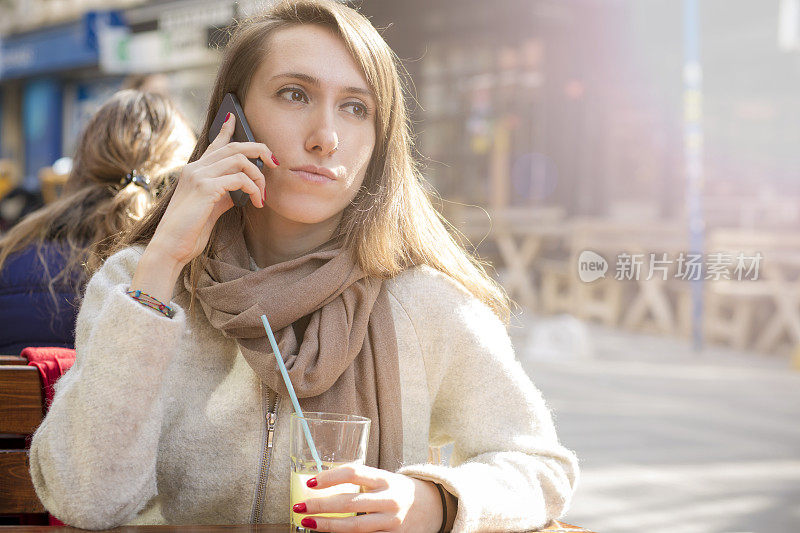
(323,138)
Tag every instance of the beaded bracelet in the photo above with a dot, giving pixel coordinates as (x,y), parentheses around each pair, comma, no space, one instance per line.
(148,301)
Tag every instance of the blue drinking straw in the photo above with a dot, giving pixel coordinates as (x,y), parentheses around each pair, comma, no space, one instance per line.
(292,395)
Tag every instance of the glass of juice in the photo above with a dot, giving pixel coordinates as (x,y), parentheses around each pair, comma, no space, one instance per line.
(339,440)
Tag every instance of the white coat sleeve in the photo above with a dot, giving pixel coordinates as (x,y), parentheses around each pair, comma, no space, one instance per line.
(93,458)
(508,469)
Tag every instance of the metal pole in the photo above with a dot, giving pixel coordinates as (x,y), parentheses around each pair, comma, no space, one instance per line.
(693,151)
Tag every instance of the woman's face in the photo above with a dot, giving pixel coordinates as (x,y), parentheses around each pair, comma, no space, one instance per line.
(310,104)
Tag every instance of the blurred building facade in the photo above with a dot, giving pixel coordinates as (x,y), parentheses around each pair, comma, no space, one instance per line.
(564,119)
(516,103)
(59,61)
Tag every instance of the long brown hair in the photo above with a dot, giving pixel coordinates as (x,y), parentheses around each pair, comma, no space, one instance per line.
(391,224)
(133,130)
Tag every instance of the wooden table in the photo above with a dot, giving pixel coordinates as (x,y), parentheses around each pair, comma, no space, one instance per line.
(778,284)
(648,297)
(556,527)
(518,233)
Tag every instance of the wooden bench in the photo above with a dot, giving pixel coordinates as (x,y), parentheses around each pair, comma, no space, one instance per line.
(734,308)
(21,412)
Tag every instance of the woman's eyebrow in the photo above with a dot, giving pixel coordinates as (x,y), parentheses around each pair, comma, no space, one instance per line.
(311,80)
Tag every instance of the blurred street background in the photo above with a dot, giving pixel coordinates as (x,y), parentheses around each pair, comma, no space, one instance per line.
(670,440)
(631,169)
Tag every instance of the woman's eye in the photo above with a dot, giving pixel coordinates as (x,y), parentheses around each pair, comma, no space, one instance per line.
(293,95)
(297,95)
(359,109)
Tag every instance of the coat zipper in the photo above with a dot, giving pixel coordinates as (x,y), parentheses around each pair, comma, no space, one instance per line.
(271,415)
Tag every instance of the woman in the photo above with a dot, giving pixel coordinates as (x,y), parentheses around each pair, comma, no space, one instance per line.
(121,161)
(376,309)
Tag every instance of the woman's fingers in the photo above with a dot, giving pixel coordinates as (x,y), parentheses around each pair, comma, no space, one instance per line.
(235,182)
(363,502)
(201,195)
(224,135)
(250,149)
(231,165)
(368,477)
(372,522)
(222,147)
(223,158)
(393,504)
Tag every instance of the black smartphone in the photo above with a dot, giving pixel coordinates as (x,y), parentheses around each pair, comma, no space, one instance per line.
(242,133)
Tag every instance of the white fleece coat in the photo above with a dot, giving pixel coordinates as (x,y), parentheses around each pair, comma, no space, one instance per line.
(161,421)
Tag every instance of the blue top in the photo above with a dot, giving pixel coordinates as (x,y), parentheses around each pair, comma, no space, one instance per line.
(28,314)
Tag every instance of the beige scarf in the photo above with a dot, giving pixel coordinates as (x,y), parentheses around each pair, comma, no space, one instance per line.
(347,360)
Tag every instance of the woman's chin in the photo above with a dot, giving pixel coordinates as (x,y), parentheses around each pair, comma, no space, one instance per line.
(306,212)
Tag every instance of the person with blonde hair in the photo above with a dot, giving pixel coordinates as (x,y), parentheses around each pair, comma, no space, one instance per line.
(176,412)
(122,160)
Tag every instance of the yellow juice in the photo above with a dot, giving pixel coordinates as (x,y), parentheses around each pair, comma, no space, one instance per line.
(300,492)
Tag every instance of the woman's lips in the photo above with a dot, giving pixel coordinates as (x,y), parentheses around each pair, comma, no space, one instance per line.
(312,177)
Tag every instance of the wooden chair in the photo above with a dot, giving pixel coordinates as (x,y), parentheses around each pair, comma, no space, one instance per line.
(21,412)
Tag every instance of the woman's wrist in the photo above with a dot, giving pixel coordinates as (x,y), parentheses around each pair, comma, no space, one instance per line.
(446,513)
(452,509)
(156,273)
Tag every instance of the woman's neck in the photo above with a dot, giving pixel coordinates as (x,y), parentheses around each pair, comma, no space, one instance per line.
(273,239)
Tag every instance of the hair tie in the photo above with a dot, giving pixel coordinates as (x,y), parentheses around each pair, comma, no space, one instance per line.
(138,179)
(444,506)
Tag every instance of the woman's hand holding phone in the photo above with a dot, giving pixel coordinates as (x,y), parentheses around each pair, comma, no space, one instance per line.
(200,198)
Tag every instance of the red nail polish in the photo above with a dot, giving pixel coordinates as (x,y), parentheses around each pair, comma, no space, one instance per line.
(299,507)
(265,195)
(312,482)
(227,117)
(275,160)
(309,522)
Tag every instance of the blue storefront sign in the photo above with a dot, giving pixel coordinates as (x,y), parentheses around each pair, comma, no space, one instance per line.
(56,48)
(38,57)
(41,119)
(2,118)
